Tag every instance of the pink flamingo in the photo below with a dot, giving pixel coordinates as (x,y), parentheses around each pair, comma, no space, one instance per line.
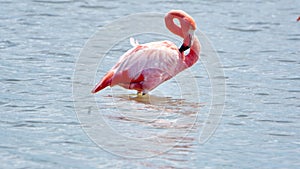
(146,66)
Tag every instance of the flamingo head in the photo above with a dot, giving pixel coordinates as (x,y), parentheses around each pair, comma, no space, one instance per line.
(187,40)
(185,28)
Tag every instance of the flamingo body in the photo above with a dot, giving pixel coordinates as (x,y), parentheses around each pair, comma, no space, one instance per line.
(146,66)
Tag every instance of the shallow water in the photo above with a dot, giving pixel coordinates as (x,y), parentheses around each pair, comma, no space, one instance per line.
(258,46)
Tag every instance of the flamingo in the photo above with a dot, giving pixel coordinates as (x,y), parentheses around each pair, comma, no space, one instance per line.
(146,66)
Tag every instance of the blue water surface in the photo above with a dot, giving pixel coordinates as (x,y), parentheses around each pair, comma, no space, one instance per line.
(258,45)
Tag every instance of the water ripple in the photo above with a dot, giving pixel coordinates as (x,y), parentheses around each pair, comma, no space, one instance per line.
(244,29)
(267,51)
(286,60)
(294,91)
(54,2)
(276,121)
(98,7)
(43,15)
(280,134)
(294,39)
(263,23)
(287,78)
(7,44)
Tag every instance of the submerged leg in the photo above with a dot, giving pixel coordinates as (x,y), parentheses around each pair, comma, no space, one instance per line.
(141,93)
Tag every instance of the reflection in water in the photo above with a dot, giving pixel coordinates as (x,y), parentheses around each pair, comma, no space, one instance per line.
(168,124)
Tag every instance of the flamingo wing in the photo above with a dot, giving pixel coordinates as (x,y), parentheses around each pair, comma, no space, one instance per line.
(144,67)
(147,66)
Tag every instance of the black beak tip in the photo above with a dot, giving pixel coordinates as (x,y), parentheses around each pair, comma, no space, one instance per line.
(183,48)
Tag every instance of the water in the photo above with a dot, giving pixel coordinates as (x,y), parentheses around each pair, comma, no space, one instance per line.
(258,45)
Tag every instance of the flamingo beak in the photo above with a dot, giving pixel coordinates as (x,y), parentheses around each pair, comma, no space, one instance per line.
(183,48)
(187,42)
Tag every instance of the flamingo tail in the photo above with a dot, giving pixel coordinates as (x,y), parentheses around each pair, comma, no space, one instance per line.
(106,81)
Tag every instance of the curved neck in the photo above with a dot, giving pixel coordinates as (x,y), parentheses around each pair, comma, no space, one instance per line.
(169,21)
(193,55)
